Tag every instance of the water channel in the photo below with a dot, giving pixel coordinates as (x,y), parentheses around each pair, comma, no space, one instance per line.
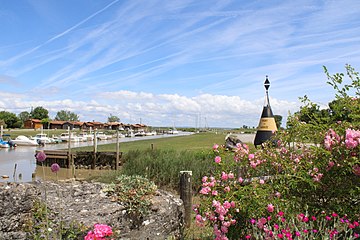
(19,164)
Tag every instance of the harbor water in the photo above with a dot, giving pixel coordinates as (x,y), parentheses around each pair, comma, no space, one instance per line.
(19,164)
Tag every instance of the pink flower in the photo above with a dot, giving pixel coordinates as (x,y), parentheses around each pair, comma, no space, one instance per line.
(218,159)
(40,156)
(90,236)
(261,181)
(100,231)
(205,190)
(224,176)
(215,147)
(240,180)
(270,207)
(251,156)
(226,205)
(204,179)
(55,167)
(356,170)
(199,218)
(214,193)
(227,189)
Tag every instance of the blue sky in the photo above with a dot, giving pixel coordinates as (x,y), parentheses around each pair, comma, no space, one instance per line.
(164,63)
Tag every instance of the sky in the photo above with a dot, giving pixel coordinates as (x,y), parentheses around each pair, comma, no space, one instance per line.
(196,63)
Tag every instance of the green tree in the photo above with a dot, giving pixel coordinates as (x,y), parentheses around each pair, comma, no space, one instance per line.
(113,118)
(23,116)
(46,122)
(2,122)
(278,120)
(64,115)
(10,119)
(39,113)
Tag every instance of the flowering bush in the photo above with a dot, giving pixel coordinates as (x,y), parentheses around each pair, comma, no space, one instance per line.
(277,225)
(296,175)
(100,232)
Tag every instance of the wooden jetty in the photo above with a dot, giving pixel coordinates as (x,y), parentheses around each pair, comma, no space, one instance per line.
(82,160)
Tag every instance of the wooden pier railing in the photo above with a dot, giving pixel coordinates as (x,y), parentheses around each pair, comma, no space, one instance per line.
(89,159)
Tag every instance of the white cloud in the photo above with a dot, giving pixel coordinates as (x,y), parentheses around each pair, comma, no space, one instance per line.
(160,110)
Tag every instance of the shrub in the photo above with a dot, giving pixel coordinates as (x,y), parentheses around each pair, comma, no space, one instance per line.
(163,166)
(319,172)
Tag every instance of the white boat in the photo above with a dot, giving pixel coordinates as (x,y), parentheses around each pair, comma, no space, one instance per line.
(140,134)
(173,131)
(86,137)
(153,133)
(65,137)
(101,136)
(130,134)
(22,140)
(42,138)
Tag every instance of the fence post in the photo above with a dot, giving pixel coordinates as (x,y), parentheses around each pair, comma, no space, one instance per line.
(95,149)
(117,150)
(185,195)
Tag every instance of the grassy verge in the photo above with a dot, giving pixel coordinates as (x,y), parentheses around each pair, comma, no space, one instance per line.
(160,160)
(194,142)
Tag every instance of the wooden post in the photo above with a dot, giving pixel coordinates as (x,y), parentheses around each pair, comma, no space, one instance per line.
(117,150)
(95,149)
(70,158)
(1,131)
(185,195)
(152,146)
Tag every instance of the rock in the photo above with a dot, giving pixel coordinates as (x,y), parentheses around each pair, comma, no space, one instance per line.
(85,202)
(231,140)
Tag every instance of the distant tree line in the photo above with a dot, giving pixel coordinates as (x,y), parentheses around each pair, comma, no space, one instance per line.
(11,120)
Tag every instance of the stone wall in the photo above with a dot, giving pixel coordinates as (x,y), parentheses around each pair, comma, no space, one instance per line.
(85,203)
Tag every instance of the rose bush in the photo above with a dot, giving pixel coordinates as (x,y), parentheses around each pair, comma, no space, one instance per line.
(313,173)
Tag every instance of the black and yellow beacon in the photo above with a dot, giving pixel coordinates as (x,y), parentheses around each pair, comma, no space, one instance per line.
(267,125)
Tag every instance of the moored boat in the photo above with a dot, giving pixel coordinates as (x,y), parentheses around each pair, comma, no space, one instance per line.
(65,137)
(24,141)
(42,138)
(4,144)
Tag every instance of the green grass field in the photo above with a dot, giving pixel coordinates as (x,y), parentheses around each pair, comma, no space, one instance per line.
(199,141)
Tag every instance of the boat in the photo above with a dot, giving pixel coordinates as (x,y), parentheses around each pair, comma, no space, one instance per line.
(101,136)
(140,134)
(173,131)
(4,144)
(57,139)
(42,138)
(130,133)
(152,133)
(86,137)
(65,137)
(24,141)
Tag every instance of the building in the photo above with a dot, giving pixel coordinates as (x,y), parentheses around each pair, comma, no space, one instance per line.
(33,124)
